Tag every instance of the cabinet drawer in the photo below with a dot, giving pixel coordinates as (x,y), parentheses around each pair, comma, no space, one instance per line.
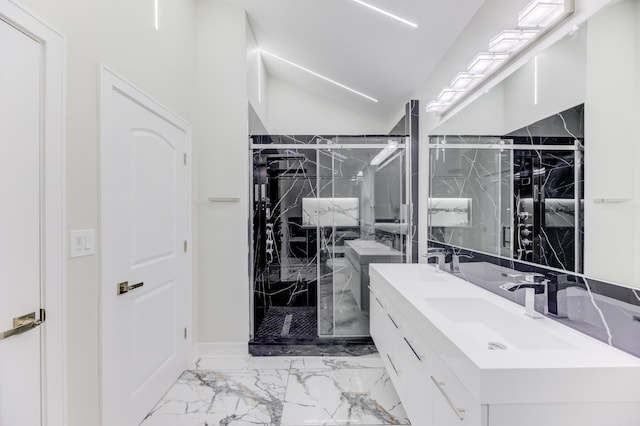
(453,404)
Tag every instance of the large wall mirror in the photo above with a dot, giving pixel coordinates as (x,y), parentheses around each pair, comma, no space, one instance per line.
(542,167)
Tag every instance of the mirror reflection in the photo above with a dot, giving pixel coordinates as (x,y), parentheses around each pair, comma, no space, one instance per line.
(541,168)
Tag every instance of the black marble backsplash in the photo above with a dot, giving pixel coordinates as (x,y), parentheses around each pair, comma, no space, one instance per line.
(603,310)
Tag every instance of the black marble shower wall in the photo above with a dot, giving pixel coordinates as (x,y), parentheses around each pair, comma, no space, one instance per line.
(518,195)
(321,206)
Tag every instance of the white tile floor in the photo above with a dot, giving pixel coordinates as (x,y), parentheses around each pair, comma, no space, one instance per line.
(281,391)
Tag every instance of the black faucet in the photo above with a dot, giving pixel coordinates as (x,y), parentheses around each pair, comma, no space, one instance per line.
(559,281)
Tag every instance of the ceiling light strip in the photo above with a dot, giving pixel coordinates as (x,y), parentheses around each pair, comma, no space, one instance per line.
(384,12)
(300,67)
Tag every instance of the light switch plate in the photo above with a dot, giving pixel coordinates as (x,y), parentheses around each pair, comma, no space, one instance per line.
(82,242)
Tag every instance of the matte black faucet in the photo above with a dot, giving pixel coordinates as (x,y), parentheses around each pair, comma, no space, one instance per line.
(557,306)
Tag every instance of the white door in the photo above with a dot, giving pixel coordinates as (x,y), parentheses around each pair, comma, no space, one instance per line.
(145,212)
(20,225)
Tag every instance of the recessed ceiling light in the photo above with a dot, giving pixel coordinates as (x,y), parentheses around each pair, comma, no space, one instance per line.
(293,64)
(511,40)
(384,12)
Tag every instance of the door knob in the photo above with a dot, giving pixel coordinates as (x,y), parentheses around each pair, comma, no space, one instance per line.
(23,324)
(126,288)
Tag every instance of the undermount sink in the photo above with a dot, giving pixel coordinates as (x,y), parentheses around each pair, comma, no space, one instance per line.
(494,328)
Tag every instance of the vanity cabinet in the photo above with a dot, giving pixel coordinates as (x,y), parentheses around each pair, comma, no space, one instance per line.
(439,387)
(430,393)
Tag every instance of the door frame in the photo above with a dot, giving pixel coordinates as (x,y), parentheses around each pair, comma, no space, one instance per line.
(53,290)
(108,82)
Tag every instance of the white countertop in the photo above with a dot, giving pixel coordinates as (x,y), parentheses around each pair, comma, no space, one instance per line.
(371,248)
(547,357)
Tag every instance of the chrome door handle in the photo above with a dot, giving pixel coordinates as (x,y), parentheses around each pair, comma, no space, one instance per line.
(23,324)
(126,288)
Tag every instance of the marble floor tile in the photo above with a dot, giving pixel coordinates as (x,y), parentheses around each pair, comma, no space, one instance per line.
(234,398)
(341,397)
(336,363)
(243,363)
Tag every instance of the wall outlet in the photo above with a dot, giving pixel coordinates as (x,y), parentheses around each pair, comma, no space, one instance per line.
(82,242)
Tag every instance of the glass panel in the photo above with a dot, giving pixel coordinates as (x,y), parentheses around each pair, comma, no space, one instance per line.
(284,249)
(522,204)
(361,215)
(465,207)
(320,217)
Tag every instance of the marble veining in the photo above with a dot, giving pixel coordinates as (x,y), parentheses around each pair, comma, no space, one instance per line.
(306,204)
(524,202)
(602,310)
(281,391)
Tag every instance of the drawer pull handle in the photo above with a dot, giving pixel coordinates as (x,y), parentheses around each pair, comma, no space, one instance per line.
(412,349)
(440,385)
(376,296)
(393,321)
(393,365)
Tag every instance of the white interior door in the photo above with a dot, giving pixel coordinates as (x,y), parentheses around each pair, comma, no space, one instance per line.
(20,226)
(144,228)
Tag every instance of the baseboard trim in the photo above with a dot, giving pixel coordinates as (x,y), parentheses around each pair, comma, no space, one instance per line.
(221,349)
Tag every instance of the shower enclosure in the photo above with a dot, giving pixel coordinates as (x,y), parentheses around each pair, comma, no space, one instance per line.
(323,209)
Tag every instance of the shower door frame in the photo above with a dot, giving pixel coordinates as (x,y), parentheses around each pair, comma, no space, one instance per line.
(253,147)
(577,148)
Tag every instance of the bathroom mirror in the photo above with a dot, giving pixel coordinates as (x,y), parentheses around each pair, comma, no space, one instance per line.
(541,167)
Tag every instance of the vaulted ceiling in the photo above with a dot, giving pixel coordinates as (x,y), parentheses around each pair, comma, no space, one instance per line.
(356,46)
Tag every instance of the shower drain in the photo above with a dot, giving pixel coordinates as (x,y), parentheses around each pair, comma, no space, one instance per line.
(492,346)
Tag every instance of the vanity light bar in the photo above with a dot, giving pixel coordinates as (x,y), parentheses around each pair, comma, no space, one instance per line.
(541,13)
(510,41)
(384,153)
(315,74)
(538,17)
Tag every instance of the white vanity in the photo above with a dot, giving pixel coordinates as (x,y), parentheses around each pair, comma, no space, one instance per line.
(460,355)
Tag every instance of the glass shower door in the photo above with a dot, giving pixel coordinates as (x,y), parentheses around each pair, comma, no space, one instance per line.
(361,216)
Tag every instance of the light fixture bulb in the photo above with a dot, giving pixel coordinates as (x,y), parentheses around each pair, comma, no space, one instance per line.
(510,41)
(448,95)
(464,80)
(435,106)
(540,13)
(485,62)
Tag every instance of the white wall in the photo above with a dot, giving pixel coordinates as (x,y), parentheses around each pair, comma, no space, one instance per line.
(611,144)
(256,78)
(561,84)
(121,34)
(295,111)
(221,137)
(484,117)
